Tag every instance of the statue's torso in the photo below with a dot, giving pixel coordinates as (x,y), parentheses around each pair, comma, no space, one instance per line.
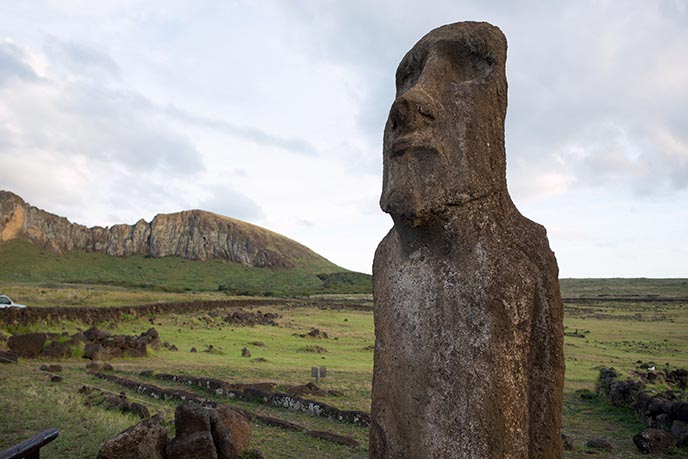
(458,323)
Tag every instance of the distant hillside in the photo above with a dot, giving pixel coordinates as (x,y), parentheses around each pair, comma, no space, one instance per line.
(192,234)
(191,250)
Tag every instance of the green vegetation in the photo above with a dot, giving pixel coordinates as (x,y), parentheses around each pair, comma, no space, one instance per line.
(628,288)
(24,263)
(599,333)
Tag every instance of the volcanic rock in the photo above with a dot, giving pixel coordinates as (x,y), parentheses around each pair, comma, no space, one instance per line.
(145,440)
(679,410)
(238,429)
(56,350)
(193,437)
(654,441)
(468,314)
(28,345)
(193,234)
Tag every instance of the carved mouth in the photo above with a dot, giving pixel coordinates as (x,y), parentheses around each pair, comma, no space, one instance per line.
(401,150)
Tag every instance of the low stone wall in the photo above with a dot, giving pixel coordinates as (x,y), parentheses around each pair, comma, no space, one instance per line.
(664,413)
(94,315)
(159,393)
(256,393)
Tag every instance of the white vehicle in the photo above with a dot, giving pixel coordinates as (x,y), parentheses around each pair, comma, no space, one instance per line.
(6,302)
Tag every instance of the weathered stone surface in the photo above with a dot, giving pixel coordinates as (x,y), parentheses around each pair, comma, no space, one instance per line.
(208,433)
(679,410)
(56,350)
(663,422)
(653,441)
(678,428)
(468,314)
(239,432)
(193,234)
(95,351)
(193,437)
(145,440)
(682,441)
(28,345)
(198,445)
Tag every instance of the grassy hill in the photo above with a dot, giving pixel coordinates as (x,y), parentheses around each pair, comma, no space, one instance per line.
(24,262)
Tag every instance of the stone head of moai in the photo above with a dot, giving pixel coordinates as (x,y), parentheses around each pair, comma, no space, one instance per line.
(444,138)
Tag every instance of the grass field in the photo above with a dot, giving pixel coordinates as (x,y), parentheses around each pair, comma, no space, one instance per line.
(612,333)
(33,265)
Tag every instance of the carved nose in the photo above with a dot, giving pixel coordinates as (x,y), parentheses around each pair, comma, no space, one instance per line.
(411,111)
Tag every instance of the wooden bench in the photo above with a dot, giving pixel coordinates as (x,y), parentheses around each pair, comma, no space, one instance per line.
(31,448)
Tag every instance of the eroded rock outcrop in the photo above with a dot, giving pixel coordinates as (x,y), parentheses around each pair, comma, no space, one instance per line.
(468,314)
(192,234)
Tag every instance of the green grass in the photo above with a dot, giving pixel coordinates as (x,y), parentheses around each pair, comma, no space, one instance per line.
(29,403)
(640,287)
(615,334)
(24,263)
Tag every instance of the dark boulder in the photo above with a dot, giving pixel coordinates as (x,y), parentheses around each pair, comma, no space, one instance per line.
(137,350)
(679,410)
(94,366)
(191,418)
(238,427)
(139,410)
(95,334)
(682,441)
(663,422)
(679,428)
(623,393)
(145,440)
(198,445)
(193,436)
(95,351)
(56,350)
(657,406)
(654,441)
(28,345)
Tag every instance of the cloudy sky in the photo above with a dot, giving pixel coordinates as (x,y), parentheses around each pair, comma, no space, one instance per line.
(273,111)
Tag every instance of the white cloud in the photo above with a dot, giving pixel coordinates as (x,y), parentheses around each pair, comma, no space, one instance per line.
(273,112)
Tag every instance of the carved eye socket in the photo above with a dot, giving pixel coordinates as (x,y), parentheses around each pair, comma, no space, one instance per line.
(410,69)
(467,62)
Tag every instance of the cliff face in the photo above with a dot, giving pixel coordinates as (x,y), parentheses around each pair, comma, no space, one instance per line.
(193,234)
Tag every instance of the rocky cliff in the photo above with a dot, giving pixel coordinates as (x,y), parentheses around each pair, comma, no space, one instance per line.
(192,234)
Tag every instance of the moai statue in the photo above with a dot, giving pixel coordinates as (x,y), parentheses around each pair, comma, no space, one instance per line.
(468,315)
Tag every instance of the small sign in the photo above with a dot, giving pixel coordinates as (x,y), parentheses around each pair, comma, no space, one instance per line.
(323,372)
(314,372)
